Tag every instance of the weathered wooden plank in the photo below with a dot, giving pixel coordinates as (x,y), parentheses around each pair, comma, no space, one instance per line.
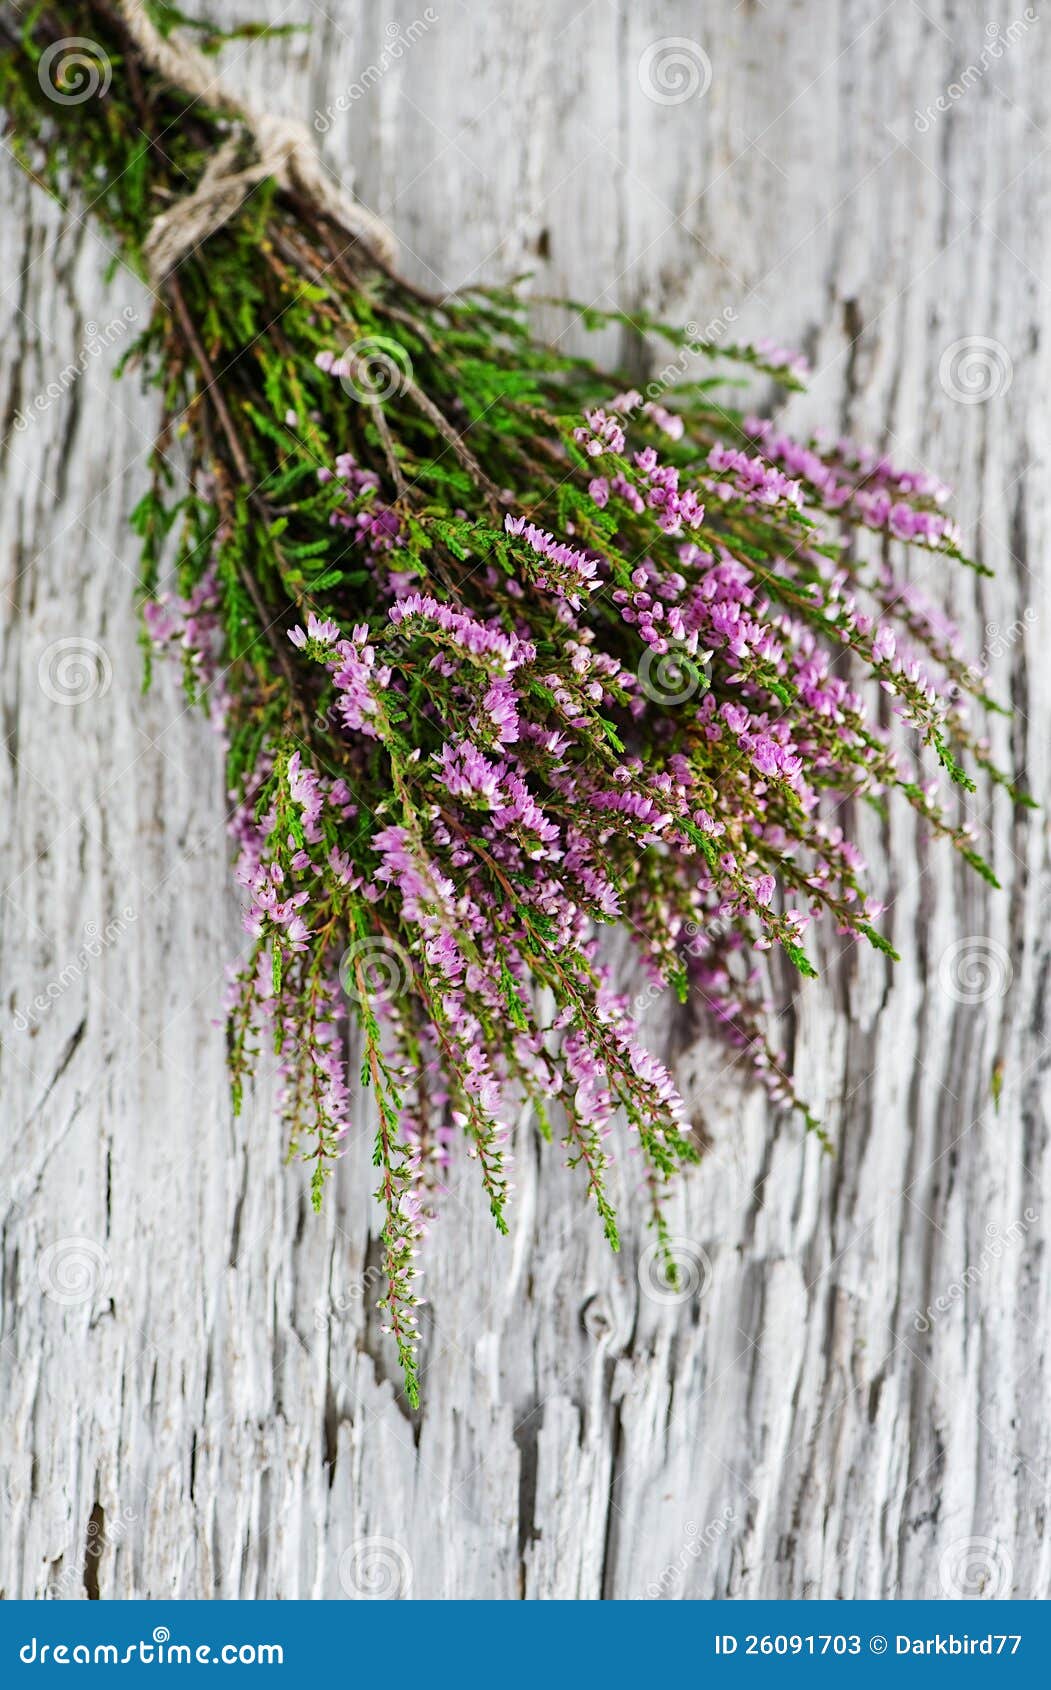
(193,1383)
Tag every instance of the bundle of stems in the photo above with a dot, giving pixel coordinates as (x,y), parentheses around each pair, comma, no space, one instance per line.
(503,651)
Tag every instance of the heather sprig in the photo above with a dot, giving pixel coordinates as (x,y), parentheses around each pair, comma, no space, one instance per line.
(504,653)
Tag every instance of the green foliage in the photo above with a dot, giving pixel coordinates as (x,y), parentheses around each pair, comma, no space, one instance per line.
(479,416)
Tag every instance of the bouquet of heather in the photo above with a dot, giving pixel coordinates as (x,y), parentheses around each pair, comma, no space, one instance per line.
(503,650)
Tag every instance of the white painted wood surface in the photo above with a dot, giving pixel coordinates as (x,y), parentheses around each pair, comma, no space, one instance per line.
(196,1403)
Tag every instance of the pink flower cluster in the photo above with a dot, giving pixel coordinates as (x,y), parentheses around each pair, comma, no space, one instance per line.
(878,494)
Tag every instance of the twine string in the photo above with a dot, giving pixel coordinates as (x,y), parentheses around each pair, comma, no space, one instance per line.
(284,147)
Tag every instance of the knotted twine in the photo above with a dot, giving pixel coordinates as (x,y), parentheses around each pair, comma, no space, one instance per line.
(285,151)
